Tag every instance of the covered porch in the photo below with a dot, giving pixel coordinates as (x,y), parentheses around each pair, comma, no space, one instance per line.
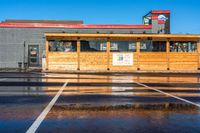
(121,52)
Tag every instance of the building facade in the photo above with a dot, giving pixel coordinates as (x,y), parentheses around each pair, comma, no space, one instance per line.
(75,46)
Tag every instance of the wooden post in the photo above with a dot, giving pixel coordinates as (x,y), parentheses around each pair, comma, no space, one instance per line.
(47,55)
(198,50)
(78,53)
(138,53)
(108,53)
(168,53)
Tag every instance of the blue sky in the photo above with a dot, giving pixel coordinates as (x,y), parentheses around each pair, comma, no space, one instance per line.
(185,14)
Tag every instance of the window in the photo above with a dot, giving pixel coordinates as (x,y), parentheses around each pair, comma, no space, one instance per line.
(93,45)
(152,46)
(62,46)
(122,46)
(183,46)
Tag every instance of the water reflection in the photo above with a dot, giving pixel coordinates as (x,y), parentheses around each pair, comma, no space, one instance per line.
(125,78)
(70,111)
(106,84)
(104,103)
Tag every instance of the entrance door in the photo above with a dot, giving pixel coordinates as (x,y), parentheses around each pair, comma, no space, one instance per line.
(33,55)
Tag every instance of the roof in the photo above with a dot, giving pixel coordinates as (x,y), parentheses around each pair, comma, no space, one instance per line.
(44,21)
(74,26)
(160,11)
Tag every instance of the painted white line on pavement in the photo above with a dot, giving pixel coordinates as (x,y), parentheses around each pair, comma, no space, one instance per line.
(3,79)
(176,97)
(42,116)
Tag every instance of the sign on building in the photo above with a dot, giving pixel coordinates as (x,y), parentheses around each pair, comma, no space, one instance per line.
(147,20)
(123,59)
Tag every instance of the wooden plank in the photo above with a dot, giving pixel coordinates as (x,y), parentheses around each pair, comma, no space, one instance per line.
(47,54)
(168,51)
(63,61)
(138,53)
(78,53)
(198,50)
(153,61)
(153,57)
(183,57)
(108,53)
(60,54)
(93,61)
(183,66)
(153,66)
(183,61)
(63,67)
(171,36)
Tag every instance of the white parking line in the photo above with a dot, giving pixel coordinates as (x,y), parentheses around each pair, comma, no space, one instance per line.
(3,79)
(176,97)
(42,116)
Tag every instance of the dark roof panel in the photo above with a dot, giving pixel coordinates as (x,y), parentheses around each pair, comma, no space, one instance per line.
(45,21)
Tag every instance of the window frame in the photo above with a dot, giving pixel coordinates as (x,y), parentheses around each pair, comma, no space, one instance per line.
(135,42)
(193,42)
(63,41)
(93,40)
(152,43)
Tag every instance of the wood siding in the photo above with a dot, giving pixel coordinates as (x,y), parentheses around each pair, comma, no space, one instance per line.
(62,61)
(93,61)
(153,61)
(183,61)
(103,61)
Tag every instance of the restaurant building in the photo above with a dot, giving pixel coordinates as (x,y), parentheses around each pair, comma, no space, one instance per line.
(75,46)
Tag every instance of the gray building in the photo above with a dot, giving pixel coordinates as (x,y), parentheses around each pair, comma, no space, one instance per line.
(23,41)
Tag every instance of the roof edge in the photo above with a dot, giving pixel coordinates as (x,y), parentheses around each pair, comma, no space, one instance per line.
(75,26)
(160,11)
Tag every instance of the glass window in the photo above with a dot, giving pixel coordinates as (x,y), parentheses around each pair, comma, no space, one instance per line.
(62,46)
(183,46)
(93,45)
(152,46)
(122,46)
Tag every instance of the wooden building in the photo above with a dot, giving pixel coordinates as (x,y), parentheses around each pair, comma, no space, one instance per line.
(121,52)
(74,46)
(22,43)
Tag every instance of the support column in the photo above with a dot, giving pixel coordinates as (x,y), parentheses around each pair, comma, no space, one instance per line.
(108,53)
(138,53)
(78,53)
(168,53)
(198,50)
(47,54)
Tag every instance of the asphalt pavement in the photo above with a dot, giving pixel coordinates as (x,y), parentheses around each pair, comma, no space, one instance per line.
(59,102)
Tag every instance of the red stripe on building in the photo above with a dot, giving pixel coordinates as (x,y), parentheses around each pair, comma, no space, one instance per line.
(161,21)
(154,17)
(74,26)
(160,11)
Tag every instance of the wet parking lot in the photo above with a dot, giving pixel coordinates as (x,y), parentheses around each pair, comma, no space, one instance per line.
(140,103)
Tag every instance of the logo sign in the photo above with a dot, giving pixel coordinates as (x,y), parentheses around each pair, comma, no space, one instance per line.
(162,18)
(147,20)
(123,59)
